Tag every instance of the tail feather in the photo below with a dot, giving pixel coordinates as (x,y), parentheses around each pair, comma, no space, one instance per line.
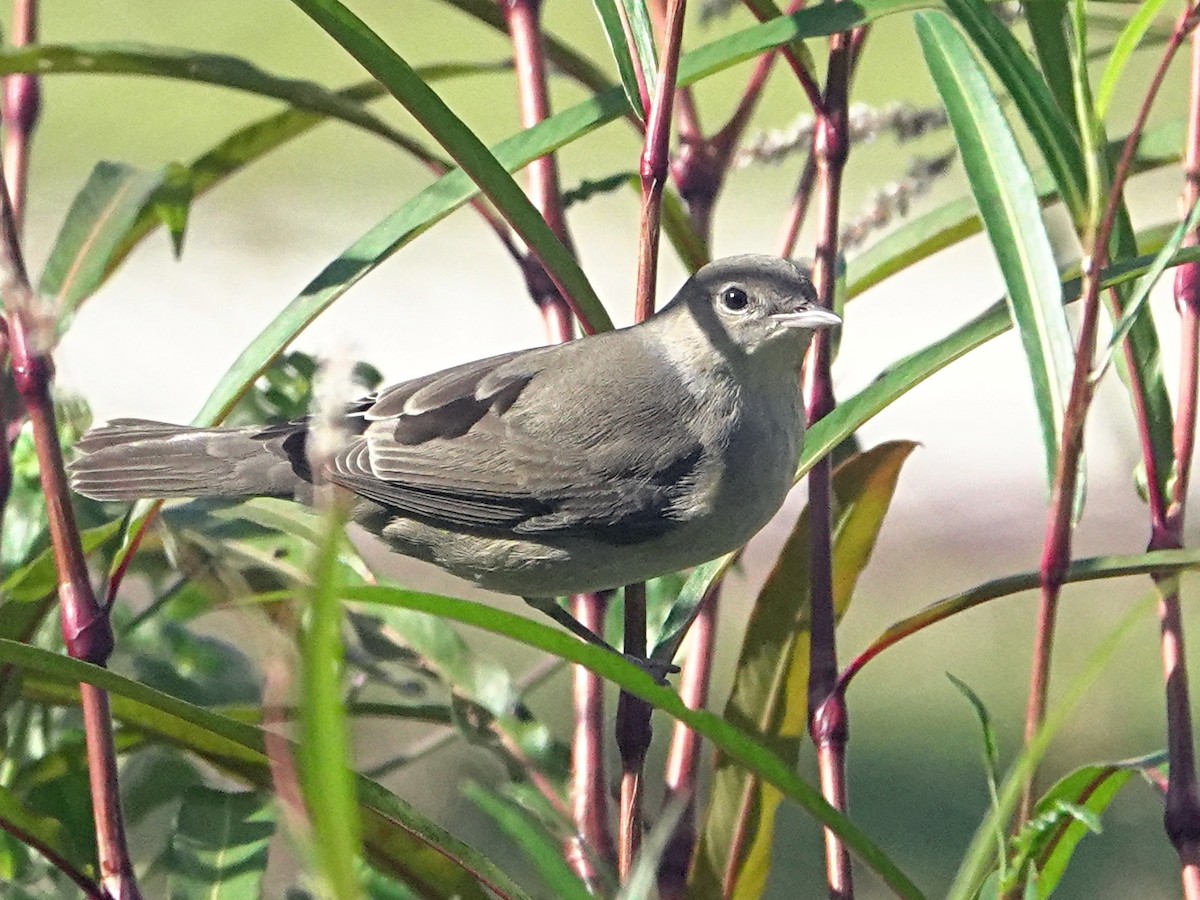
(131,459)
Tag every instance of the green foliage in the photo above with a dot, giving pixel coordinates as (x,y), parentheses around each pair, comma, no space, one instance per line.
(260,622)
(219,844)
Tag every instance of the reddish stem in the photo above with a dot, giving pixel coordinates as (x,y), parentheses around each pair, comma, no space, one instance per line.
(1056,551)
(684,757)
(655,161)
(827,712)
(812,90)
(86,628)
(633,715)
(92,890)
(22,104)
(634,732)
(589,795)
(589,788)
(1181,816)
(802,195)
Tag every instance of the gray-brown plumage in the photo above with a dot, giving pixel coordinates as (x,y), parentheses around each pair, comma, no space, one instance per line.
(543,472)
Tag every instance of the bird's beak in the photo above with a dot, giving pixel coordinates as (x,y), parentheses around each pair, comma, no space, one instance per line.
(812,317)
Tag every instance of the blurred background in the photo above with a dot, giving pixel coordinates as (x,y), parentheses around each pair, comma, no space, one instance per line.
(971,501)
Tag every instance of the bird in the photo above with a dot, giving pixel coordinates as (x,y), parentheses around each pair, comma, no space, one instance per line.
(545,472)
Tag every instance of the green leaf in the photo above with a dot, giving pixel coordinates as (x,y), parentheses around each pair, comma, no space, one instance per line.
(398,839)
(326,760)
(1050,127)
(687,604)
(991,762)
(50,787)
(46,832)
(543,851)
(1092,788)
(471,677)
(769,696)
(1009,207)
(975,867)
(151,778)
(740,747)
(1145,285)
(1047,26)
(39,577)
(101,214)
(922,236)
(188,65)
(644,50)
(172,203)
(219,845)
(1129,40)
(614,33)
(454,189)
(465,147)
(198,668)
(1092,569)
(905,374)
(689,244)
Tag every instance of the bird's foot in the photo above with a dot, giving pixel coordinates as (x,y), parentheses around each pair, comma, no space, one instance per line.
(657,669)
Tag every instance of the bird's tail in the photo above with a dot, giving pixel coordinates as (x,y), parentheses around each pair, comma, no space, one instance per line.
(131,459)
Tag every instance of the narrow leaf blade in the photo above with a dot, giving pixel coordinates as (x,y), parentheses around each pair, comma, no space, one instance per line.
(1011,214)
(769,693)
(614,33)
(464,146)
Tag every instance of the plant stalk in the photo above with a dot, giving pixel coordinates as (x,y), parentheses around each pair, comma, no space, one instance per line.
(87,630)
(1181,813)
(633,715)
(828,718)
(1056,548)
(589,796)
(22,104)
(683,758)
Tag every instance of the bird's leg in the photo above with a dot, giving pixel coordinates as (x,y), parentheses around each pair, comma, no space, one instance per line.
(656,669)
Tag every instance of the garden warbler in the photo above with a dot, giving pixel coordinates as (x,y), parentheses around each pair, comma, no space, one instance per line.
(557,470)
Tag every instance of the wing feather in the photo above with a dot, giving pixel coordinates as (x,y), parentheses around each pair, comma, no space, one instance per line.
(460,450)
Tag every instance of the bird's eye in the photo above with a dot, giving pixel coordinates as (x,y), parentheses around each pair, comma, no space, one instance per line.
(734,299)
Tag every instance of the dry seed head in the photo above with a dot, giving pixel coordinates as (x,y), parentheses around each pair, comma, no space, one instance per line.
(903,121)
(894,200)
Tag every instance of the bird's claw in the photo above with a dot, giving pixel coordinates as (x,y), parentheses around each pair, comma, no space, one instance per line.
(657,669)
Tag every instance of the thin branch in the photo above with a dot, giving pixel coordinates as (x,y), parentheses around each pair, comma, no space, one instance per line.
(655,162)
(683,760)
(828,719)
(22,104)
(1056,549)
(812,90)
(633,715)
(1181,817)
(92,890)
(86,628)
(634,732)
(589,795)
(802,195)
(589,787)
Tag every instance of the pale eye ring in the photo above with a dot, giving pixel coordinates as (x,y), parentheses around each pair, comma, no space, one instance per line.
(735,299)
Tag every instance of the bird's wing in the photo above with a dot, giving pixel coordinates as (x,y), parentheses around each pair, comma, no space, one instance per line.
(462,450)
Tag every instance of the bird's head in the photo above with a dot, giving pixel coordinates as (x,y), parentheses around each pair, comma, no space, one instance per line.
(748,303)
